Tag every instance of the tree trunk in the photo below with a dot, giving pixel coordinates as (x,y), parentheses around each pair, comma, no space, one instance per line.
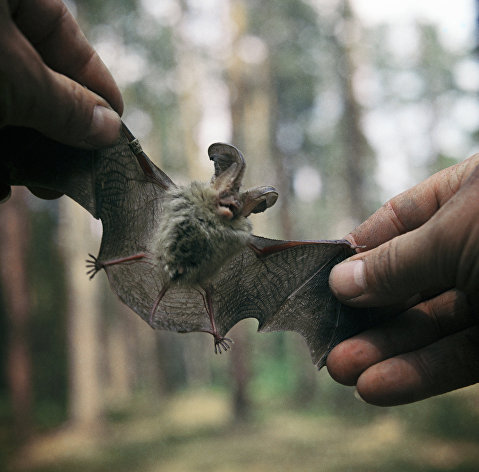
(119,356)
(84,342)
(14,242)
(356,148)
(241,372)
(189,79)
(250,121)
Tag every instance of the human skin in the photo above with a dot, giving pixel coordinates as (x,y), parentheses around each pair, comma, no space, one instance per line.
(51,79)
(421,260)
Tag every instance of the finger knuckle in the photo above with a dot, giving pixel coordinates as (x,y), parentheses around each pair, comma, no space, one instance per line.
(394,217)
(434,315)
(474,159)
(76,114)
(467,271)
(384,270)
(425,368)
(466,356)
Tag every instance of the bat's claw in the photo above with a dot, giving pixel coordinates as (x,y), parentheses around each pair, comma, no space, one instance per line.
(222,344)
(93,265)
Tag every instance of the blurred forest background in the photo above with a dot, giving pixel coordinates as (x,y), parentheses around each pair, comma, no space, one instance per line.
(340,105)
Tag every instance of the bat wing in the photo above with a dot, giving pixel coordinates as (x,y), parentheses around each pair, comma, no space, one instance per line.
(285,286)
(118,185)
(129,191)
(106,182)
(31,159)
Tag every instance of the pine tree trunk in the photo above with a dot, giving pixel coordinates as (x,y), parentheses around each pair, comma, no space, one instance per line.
(249,110)
(14,243)
(356,148)
(86,402)
(119,356)
(241,372)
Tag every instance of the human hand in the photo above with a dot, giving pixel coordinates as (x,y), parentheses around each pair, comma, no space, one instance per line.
(46,63)
(422,261)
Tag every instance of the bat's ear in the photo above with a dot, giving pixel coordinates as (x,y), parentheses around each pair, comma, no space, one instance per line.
(257,200)
(229,166)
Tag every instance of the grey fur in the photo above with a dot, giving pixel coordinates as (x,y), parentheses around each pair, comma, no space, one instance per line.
(194,238)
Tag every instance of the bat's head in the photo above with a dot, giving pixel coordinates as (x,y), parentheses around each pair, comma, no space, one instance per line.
(226,183)
(205,224)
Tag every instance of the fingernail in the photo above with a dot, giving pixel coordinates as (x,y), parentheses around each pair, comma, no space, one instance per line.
(104,128)
(348,279)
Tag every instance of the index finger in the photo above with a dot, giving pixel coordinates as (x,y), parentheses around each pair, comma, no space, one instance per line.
(410,209)
(55,34)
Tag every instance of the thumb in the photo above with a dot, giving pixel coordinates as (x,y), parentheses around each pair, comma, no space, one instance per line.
(35,96)
(441,254)
(388,274)
(68,112)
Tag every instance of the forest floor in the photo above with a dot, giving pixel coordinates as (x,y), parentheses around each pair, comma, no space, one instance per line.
(195,432)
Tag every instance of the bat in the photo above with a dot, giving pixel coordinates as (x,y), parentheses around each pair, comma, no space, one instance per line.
(201,227)
(183,257)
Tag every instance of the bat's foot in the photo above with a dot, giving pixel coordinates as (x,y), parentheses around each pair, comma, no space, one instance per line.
(221,343)
(93,265)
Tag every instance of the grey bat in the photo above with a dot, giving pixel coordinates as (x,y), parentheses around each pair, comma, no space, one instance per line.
(184,258)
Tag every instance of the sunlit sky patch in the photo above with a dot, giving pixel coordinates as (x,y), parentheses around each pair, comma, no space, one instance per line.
(454,18)
(407,137)
(307,183)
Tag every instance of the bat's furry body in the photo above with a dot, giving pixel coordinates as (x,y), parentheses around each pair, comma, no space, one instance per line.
(197,235)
